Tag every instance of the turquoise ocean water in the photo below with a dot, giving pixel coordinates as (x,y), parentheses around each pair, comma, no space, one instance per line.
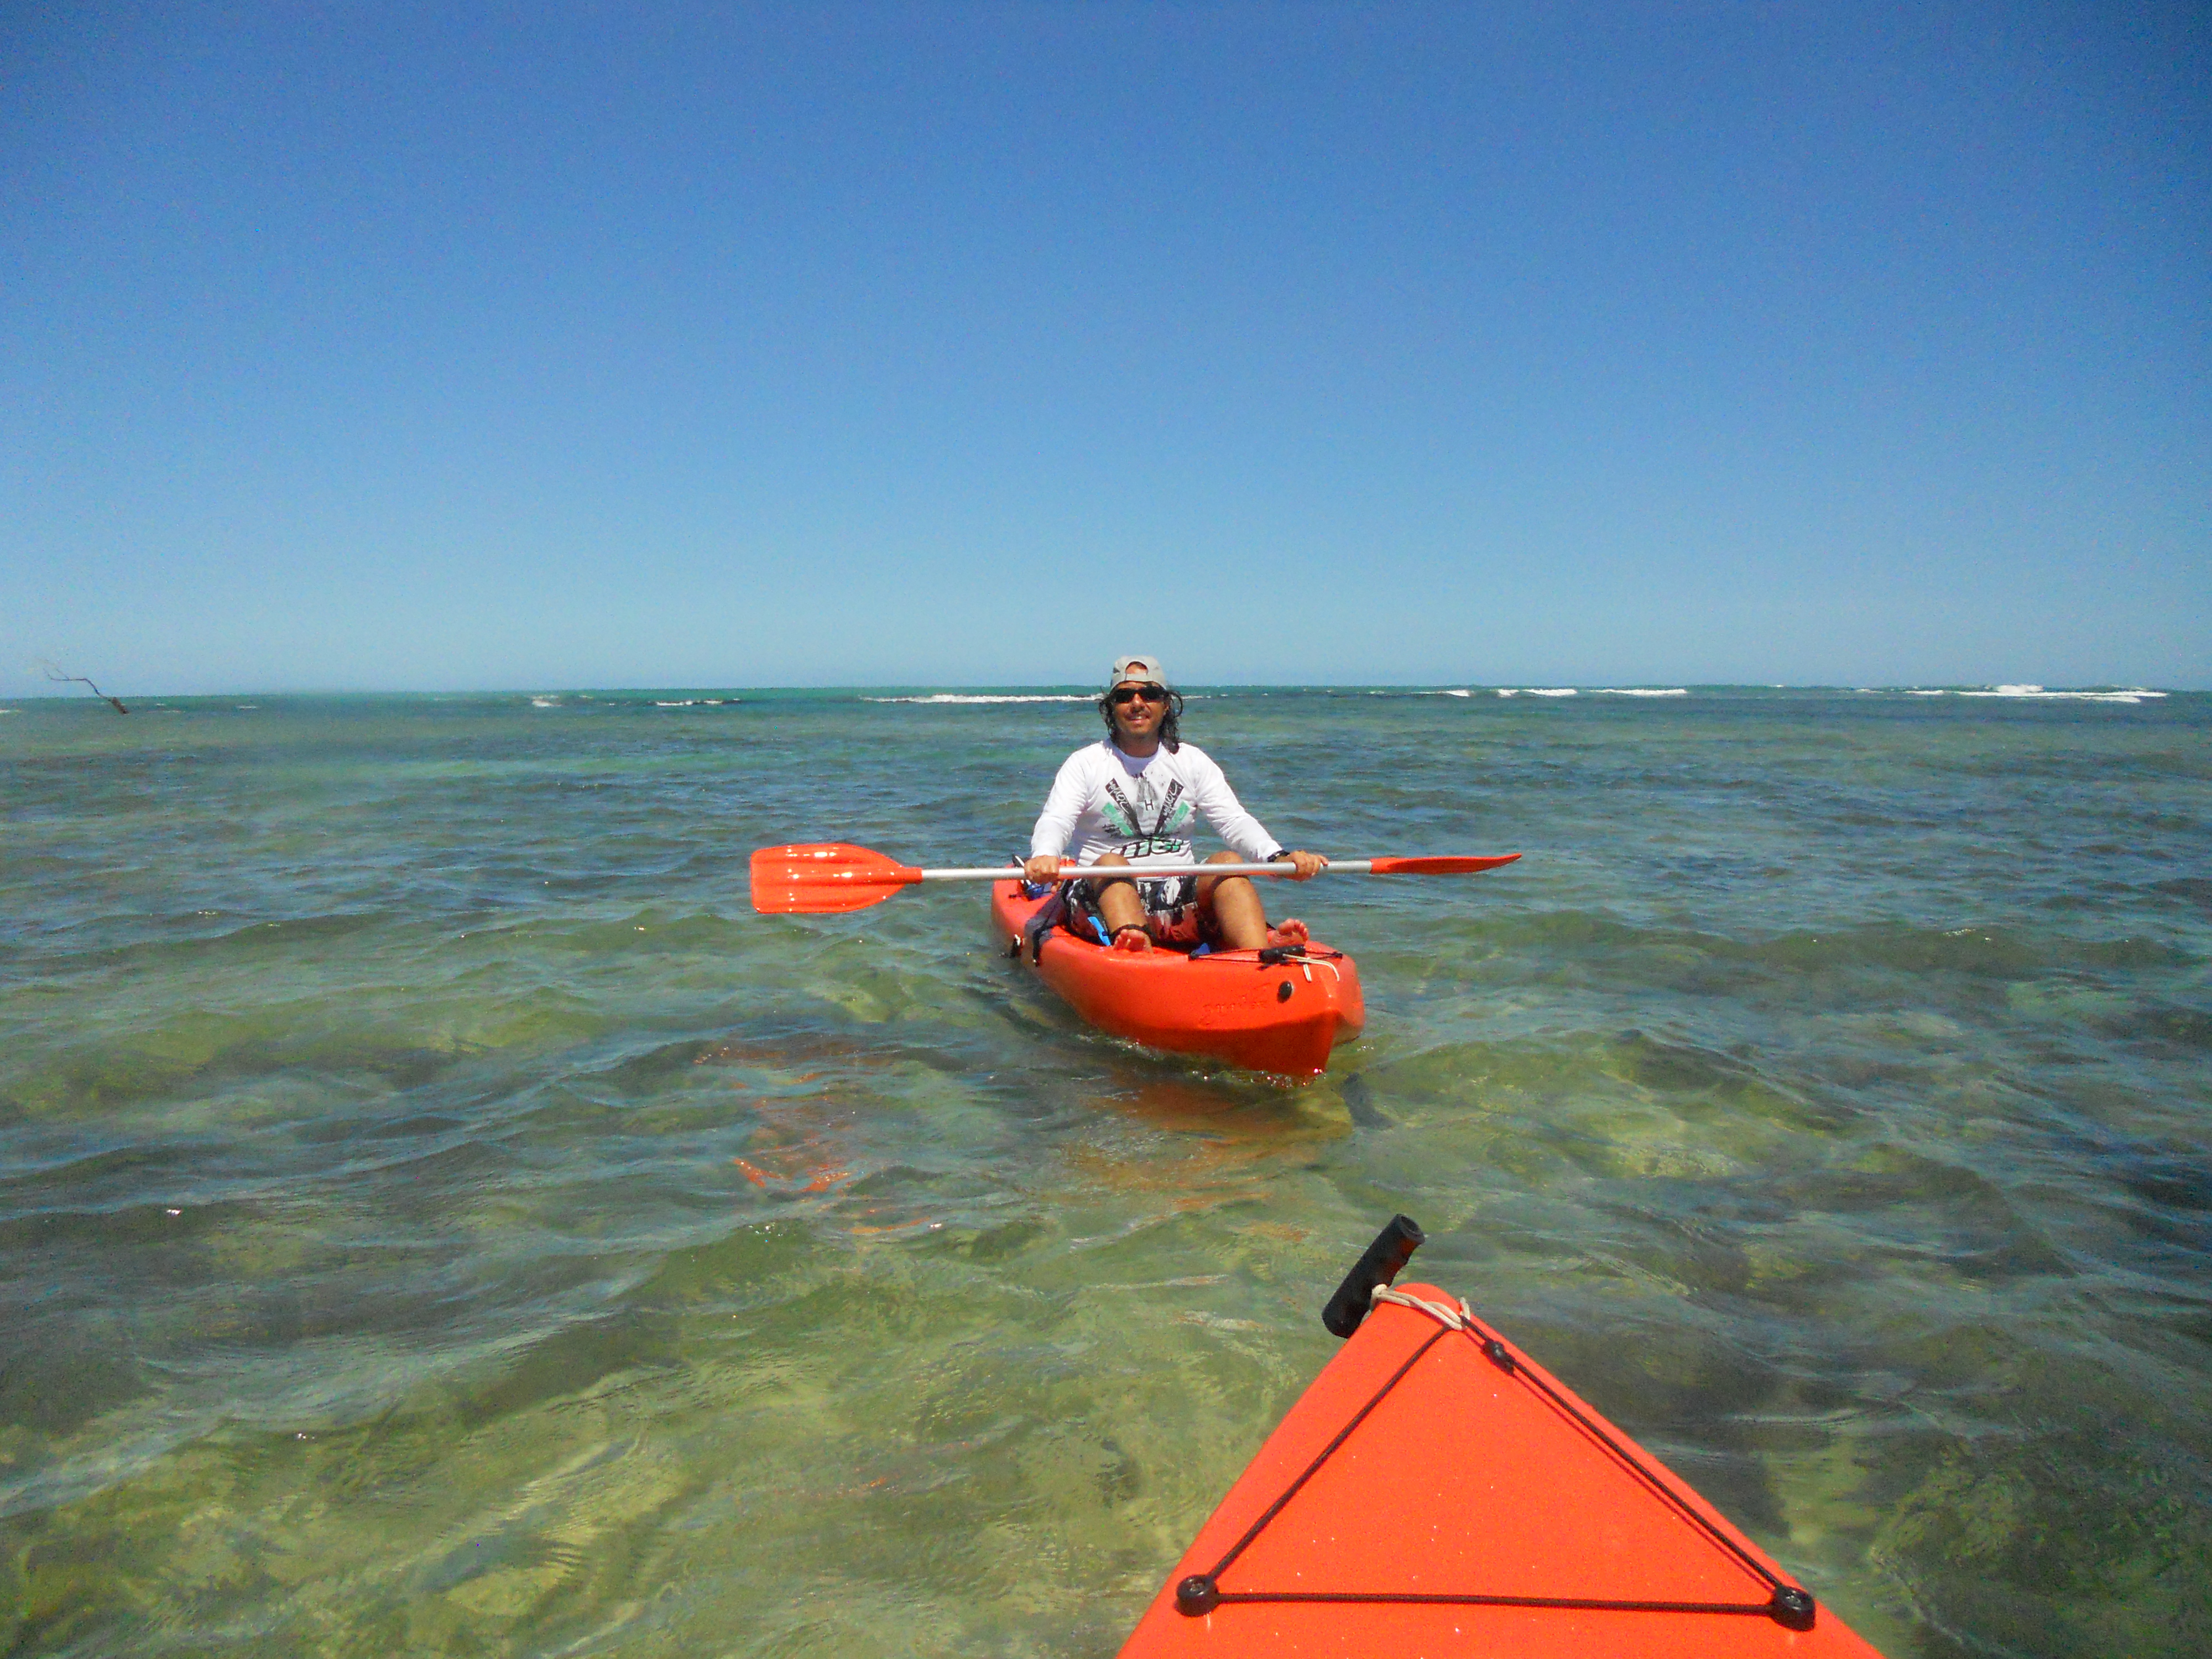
(440,1217)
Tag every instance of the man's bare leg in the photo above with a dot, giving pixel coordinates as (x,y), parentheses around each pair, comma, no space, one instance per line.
(1119,907)
(1239,914)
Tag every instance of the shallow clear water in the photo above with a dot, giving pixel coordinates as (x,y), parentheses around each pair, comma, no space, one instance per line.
(440,1217)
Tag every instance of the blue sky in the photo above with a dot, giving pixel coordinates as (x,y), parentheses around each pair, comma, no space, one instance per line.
(385,346)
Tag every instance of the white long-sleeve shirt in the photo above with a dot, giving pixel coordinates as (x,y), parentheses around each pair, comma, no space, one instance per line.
(1105,801)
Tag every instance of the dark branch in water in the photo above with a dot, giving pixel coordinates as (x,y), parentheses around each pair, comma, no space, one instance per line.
(56,675)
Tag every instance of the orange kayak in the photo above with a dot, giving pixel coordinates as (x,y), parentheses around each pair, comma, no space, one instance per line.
(1435,1491)
(1269,1010)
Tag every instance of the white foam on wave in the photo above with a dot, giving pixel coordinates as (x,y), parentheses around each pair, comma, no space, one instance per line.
(1593,690)
(2133,693)
(545,703)
(979,696)
(692,702)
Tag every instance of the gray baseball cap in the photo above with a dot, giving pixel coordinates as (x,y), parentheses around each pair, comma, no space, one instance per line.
(1137,668)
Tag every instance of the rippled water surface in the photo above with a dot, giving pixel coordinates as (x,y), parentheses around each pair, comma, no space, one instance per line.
(440,1217)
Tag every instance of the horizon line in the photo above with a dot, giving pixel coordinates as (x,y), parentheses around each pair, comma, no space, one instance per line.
(1073,688)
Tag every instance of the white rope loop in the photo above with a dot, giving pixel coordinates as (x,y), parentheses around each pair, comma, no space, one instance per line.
(1460,1318)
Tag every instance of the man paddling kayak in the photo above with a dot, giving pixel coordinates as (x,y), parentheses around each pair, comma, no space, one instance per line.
(1129,801)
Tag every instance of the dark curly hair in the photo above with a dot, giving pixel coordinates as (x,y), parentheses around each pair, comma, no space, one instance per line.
(1170,738)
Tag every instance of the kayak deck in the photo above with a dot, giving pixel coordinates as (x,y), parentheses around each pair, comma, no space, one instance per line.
(1282,1015)
(1435,1491)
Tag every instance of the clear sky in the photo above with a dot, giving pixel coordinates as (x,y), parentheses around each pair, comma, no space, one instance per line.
(370,345)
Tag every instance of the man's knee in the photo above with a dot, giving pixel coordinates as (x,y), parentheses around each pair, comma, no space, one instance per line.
(1210,888)
(1113,885)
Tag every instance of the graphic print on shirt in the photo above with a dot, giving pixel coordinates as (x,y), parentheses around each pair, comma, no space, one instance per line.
(1170,814)
(1168,897)
(1119,814)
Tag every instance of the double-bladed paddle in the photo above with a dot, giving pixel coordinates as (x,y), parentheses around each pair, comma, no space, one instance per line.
(818,878)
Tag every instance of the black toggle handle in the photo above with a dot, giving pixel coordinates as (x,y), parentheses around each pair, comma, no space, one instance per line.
(1386,1258)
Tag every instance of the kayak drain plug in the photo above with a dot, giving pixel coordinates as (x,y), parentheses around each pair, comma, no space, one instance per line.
(1283,992)
(1199,1595)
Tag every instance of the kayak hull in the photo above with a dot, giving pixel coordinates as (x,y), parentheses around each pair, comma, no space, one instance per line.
(1266,1017)
(1474,1479)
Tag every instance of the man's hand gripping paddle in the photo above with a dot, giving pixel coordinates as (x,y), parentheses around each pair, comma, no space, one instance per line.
(821,878)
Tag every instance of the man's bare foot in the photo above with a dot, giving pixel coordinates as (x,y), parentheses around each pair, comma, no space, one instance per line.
(1133,940)
(1289,931)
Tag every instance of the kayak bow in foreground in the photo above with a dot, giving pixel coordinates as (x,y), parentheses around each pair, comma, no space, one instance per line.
(1435,1491)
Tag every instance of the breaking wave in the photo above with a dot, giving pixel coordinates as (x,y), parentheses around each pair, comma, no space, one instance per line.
(2133,693)
(2129,694)
(979,696)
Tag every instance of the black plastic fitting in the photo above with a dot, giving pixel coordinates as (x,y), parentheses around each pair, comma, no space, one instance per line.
(1385,1259)
(1792,1609)
(1197,1595)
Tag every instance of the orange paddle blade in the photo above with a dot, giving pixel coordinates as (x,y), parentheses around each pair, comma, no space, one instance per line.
(1442,866)
(821,878)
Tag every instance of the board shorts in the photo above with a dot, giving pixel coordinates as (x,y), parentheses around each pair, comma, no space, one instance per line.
(1172,913)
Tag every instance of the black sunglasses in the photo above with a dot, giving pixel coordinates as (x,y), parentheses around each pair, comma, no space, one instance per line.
(1127,694)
